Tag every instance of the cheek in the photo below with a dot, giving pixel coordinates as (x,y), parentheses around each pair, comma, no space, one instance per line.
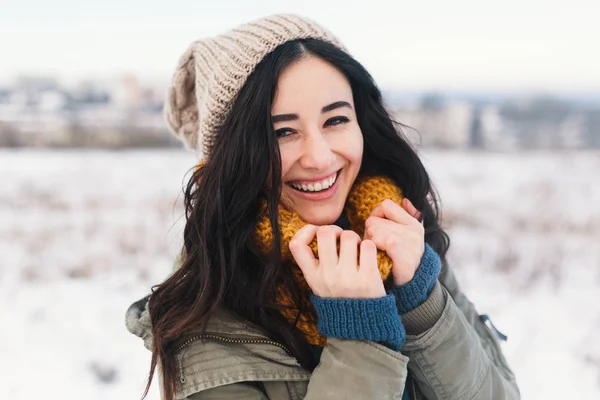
(357,148)
(350,145)
(286,160)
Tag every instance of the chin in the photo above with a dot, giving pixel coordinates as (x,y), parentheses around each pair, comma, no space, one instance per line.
(321,216)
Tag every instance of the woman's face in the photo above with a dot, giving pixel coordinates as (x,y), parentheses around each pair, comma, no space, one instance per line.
(320,141)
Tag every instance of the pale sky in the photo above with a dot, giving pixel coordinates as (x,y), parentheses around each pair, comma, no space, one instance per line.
(508,45)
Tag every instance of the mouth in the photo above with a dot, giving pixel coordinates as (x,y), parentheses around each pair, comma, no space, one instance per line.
(316,186)
(322,188)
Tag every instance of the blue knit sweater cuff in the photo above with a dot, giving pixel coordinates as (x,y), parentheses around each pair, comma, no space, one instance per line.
(415,292)
(376,320)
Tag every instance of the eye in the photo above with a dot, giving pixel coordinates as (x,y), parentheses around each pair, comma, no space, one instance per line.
(336,121)
(283,132)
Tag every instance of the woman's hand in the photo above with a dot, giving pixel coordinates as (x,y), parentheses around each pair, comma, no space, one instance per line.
(333,275)
(398,232)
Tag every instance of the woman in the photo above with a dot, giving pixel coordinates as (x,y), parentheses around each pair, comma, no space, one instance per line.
(313,253)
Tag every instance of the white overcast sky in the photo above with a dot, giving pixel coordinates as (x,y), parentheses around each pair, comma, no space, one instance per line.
(512,45)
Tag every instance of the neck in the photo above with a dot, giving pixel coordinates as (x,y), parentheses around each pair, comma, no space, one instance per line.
(342,221)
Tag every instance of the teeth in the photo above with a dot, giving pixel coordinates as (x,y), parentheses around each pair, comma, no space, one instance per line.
(317,186)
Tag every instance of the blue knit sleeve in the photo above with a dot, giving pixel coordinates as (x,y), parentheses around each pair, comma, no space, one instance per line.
(414,293)
(376,320)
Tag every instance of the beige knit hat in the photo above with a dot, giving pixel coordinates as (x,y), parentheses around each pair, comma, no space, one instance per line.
(212,71)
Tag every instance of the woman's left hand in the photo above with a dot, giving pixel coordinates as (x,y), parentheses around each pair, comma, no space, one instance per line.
(398,232)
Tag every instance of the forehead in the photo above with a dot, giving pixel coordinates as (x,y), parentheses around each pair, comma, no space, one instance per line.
(310,83)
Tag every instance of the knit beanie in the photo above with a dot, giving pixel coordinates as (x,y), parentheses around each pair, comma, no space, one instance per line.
(212,71)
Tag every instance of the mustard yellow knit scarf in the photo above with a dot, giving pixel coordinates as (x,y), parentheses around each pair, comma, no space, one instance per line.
(366,194)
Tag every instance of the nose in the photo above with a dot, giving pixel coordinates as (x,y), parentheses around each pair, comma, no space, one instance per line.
(317,153)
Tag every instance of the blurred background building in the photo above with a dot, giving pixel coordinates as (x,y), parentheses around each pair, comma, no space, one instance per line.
(37,111)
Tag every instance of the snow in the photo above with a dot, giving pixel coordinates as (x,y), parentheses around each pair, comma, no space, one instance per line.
(85,233)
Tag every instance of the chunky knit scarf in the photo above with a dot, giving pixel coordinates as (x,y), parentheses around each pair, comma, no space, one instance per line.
(366,194)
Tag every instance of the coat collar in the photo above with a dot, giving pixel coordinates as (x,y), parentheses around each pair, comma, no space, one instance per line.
(223,322)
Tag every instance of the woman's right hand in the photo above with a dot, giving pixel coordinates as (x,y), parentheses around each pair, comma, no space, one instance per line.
(333,275)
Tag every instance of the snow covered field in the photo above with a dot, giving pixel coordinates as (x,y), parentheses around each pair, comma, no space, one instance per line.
(83,234)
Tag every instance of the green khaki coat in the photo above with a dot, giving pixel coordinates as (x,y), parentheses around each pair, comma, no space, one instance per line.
(449,354)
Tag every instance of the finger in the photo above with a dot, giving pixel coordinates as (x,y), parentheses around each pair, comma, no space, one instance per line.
(301,251)
(390,237)
(368,255)
(349,249)
(375,225)
(394,212)
(412,210)
(327,243)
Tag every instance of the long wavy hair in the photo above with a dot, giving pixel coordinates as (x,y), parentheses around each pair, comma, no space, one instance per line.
(219,265)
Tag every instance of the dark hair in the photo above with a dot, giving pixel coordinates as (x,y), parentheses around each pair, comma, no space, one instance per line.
(220,267)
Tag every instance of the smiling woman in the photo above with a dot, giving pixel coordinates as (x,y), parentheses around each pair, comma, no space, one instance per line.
(313,253)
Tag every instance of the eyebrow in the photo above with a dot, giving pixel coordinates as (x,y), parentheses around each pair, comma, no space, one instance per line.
(293,117)
(337,104)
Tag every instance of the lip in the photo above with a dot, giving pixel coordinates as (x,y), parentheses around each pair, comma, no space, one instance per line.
(317,179)
(323,194)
